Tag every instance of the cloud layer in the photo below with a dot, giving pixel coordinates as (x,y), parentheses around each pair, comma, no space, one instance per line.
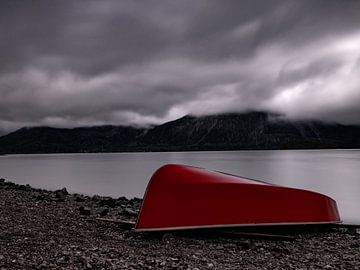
(70,63)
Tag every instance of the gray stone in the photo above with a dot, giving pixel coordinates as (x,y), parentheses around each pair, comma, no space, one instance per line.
(85,211)
(109,202)
(103,212)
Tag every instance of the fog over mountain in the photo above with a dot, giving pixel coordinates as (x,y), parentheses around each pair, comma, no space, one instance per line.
(241,131)
(82,63)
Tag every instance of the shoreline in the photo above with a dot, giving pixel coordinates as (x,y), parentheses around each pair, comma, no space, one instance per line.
(41,229)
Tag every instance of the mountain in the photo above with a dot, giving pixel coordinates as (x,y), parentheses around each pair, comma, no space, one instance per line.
(252,130)
(76,140)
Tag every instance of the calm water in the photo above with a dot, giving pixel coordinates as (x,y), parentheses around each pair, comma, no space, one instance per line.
(332,172)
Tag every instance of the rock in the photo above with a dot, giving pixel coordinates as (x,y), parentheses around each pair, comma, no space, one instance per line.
(109,202)
(23,187)
(61,193)
(103,212)
(343,230)
(85,211)
(122,200)
(39,196)
(167,237)
(137,199)
(135,202)
(96,198)
(2,180)
(245,244)
(129,234)
(79,198)
(129,212)
(9,184)
(354,231)
(52,242)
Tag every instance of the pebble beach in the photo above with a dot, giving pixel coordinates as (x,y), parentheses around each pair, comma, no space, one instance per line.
(42,229)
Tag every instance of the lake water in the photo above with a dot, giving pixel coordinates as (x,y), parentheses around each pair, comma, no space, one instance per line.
(332,172)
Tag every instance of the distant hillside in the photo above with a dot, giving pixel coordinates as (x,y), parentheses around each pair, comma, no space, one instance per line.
(253,130)
(76,140)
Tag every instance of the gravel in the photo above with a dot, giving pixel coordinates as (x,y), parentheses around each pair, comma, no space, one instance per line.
(41,229)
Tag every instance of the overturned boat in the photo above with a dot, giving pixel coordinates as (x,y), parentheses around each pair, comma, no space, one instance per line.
(183,197)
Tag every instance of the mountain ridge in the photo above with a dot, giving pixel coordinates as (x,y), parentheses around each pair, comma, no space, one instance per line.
(231,131)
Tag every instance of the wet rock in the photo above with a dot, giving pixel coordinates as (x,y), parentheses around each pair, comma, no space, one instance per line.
(85,211)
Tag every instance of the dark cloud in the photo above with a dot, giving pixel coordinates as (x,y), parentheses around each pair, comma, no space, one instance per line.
(69,63)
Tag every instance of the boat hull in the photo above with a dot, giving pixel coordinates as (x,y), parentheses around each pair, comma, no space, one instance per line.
(183,197)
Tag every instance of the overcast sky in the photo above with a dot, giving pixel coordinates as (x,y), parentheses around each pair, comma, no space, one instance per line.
(72,63)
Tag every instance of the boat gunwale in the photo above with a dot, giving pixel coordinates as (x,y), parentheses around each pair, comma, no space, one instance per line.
(236,226)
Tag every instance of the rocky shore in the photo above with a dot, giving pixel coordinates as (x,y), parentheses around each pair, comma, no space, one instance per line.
(41,229)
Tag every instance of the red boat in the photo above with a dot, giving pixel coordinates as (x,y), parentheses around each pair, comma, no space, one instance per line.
(182,197)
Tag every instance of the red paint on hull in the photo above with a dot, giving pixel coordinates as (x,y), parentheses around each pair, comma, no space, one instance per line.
(184,197)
